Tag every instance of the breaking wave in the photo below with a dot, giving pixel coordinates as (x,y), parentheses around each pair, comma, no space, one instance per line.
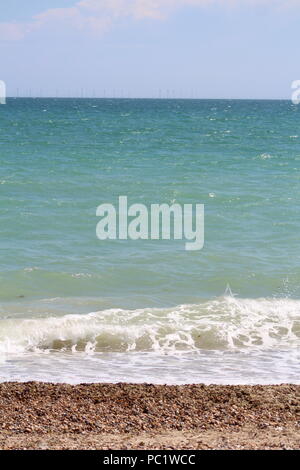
(225,323)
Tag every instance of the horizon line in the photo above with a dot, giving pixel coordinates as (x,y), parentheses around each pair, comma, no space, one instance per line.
(145,98)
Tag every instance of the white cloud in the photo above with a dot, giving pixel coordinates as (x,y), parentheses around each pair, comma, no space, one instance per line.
(140,9)
(12,31)
(97,16)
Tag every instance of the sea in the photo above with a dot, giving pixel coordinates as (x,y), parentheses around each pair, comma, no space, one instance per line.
(76,309)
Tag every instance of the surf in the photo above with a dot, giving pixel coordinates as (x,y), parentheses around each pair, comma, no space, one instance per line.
(227,323)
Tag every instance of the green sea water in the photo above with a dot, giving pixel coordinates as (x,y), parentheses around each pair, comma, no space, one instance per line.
(74,308)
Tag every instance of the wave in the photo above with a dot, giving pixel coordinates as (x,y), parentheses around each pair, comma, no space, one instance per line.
(225,323)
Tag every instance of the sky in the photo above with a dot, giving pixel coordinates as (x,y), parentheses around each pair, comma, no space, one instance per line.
(150,48)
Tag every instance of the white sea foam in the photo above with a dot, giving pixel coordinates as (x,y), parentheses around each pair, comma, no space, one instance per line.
(265,156)
(222,324)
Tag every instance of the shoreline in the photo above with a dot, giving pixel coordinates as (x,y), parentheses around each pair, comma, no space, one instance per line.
(36,415)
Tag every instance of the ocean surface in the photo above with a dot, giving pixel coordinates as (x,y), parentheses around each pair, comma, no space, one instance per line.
(76,309)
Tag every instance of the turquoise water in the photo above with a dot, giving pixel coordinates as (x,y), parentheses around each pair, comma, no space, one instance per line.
(74,308)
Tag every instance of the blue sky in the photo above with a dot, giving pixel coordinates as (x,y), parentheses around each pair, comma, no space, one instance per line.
(150,48)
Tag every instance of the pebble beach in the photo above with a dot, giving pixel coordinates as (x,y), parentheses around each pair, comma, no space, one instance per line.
(141,416)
